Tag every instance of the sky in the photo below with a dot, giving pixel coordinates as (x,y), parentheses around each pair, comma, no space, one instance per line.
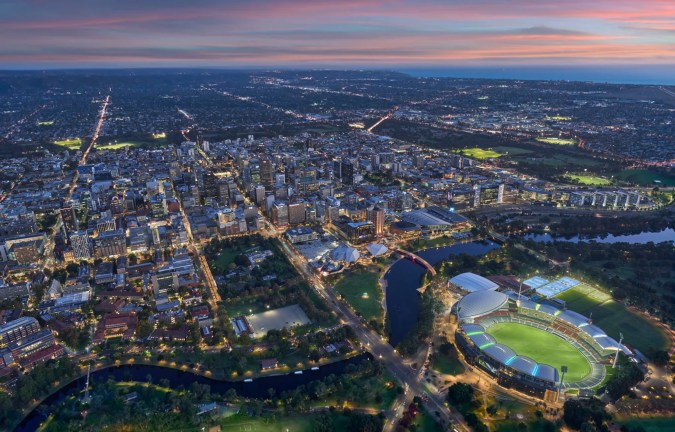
(40,34)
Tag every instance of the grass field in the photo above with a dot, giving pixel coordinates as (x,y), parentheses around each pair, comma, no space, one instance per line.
(132,144)
(614,318)
(425,422)
(559,118)
(512,151)
(557,141)
(653,424)
(560,161)
(589,180)
(241,422)
(224,259)
(479,153)
(646,177)
(69,143)
(542,347)
(361,290)
(446,364)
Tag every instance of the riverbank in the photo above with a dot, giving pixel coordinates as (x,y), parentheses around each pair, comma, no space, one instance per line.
(183,376)
(160,402)
(643,237)
(404,278)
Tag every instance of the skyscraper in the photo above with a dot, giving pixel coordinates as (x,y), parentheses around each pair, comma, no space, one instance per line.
(267,173)
(376,216)
(279,213)
(347,168)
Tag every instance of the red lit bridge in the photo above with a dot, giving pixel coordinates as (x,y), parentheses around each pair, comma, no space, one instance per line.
(418,260)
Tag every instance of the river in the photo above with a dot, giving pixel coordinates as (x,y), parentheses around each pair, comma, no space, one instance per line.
(665,235)
(404,277)
(258,388)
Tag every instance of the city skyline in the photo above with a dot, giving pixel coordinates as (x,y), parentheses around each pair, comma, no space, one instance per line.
(352,33)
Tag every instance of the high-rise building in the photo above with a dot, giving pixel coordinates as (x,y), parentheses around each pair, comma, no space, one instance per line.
(69,218)
(279,213)
(500,193)
(117,204)
(81,244)
(259,195)
(267,173)
(347,168)
(158,206)
(376,216)
(296,213)
(210,185)
(337,169)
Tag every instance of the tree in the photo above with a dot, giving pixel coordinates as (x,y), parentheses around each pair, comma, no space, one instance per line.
(576,413)
(322,423)
(626,375)
(460,394)
(661,358)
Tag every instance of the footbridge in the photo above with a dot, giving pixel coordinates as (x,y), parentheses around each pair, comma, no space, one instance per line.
(417,259)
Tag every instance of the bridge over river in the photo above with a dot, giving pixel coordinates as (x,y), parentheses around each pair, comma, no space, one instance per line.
(417,259)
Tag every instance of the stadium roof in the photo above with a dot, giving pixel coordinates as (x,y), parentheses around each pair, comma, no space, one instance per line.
(523,364)
(482,340)
(344,253)
(611,344)
(480,303)
(527,303)
(546,372)
(573,318)
(593,331)
(472,282)
(548,309)
(377,249)
(470,328)
(435,216)
(499,352)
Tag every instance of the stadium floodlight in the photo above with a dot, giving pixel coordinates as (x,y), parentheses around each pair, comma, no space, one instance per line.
(618,348)
(563,369)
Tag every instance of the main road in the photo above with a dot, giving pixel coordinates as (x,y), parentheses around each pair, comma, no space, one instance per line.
(92,143)
(378,346)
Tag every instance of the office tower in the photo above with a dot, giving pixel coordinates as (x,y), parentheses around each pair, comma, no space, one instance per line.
(267,173)
(376,216)
(347,169)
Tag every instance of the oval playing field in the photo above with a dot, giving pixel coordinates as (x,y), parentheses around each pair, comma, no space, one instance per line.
(542,347)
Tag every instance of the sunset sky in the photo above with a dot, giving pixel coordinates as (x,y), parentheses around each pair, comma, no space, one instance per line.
(338,33)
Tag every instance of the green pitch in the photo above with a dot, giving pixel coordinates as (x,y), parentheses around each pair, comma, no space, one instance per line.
(589,180)
(480,154)
(542,347)
(557,141)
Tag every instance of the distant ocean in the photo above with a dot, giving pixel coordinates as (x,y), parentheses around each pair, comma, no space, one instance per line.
(613,74)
